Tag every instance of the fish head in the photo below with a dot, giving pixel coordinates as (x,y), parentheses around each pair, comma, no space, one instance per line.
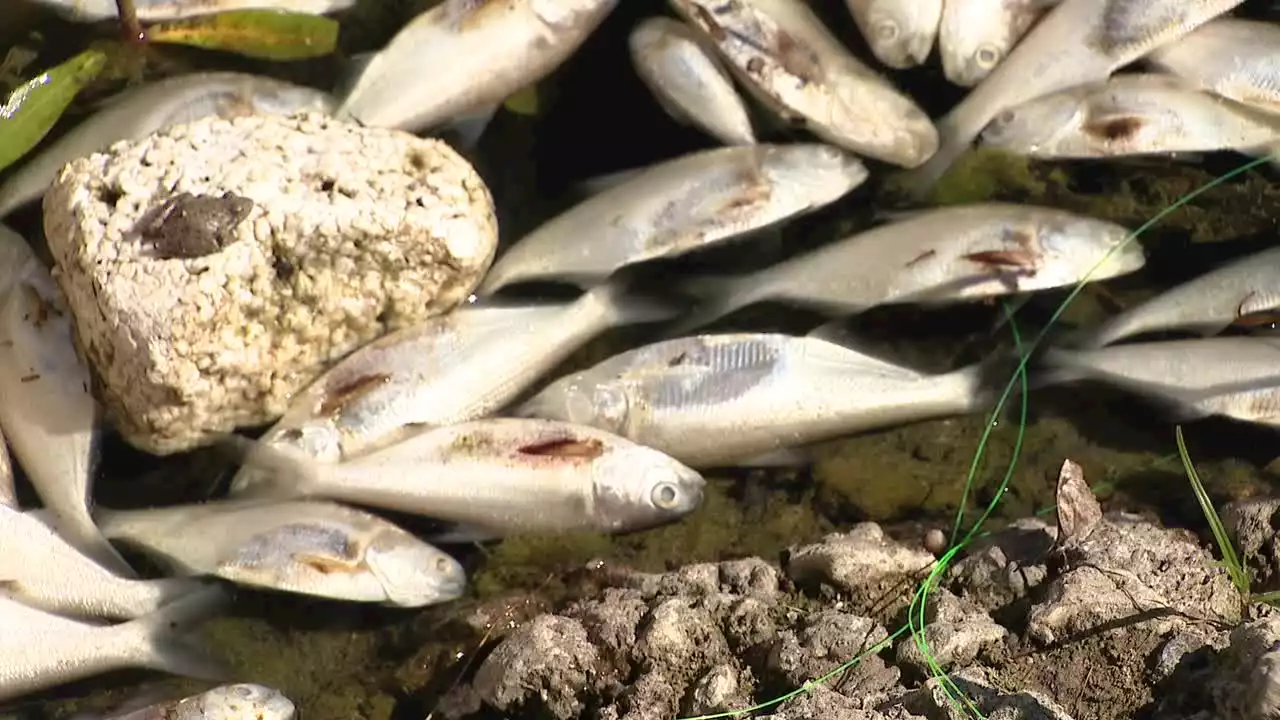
(247,700)
(570,16)
(1034,125)
(970,64)
(901,34)
(637,487)
(820,173)
(1078,247)
(413,573)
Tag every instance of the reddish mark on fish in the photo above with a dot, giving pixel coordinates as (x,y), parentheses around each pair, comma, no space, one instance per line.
(588,448)
(797,59)
(29,378)
(337,398)
(678,360)
(1116,128)
(1004,259)
(922,257)
(1254,318)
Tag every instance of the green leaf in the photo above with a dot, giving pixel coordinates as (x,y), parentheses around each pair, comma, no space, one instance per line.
(35,106)
(257,33)
(1235,569)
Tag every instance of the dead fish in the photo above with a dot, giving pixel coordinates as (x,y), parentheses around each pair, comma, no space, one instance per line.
(143,110)
(715,400)
(939,256)
(42,650)
(1134,114)
(1231,57)
(671,208)
(157,10)
(507,476)
(39,569)
(242,701)
(457,367)
(688,81)
(900,33)
(783,54)
(309,548)
(976,35)
(465,56)
(1077,43)
(1233,377)
(1235,293)
(46,409)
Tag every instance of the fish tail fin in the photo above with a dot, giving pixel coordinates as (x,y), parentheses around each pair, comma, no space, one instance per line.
(81,532)
(166,591)
(156,640)
(269,471)
(715,297)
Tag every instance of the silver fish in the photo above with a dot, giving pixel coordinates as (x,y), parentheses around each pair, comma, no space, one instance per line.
(900,33)
(944,255)
(157,10)
(143,110)
(457,367)
(463,56)
(242,701)
(715,400)
(8,495)
(783,54)
(1077,43)
(42,650)
(1237,292)
(976,35)
(680,205)
(1237,59)
(46,409)
(1133,114)
(39,568)
(1235,377)
(506,476)
(688,81)
(310,548)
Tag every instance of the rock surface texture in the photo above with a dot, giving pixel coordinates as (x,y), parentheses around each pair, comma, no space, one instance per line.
(217,267)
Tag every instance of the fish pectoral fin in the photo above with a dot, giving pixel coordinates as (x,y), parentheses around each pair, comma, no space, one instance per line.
(328,564)
(1005,259)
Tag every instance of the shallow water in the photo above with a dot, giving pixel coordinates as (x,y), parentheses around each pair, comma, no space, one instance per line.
(348,661)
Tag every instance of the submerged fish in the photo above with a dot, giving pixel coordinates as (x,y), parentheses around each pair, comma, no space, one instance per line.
(976,35)
(687,80)
(1077,43)
(1237,59)
(900,33)
(143,110)
(937,256)
(716,400)
(157,10)
(242,701)
(465,56)
(1134,114)
(46,409)
(1237,292)
(507,476)
(790,61)
(309,548)
(39,568)
(688,203)
(1235,377)
(42,650)
(450,369)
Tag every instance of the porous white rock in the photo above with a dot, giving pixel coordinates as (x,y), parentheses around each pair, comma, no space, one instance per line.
(353,232)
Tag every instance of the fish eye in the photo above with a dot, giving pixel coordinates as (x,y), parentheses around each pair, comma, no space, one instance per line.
(665,496)
(887,31)
(987,57)
(1006,116)
(443,566)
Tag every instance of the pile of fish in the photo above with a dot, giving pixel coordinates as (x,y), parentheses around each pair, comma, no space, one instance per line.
(459,419)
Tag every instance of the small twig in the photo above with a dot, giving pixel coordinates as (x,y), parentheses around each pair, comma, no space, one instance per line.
(133,31)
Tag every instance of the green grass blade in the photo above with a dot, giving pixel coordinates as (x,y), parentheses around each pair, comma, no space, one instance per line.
(33,108)
(1231,561)
(256,33)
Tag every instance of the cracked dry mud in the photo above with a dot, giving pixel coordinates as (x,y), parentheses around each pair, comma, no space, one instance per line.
(1086,616)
